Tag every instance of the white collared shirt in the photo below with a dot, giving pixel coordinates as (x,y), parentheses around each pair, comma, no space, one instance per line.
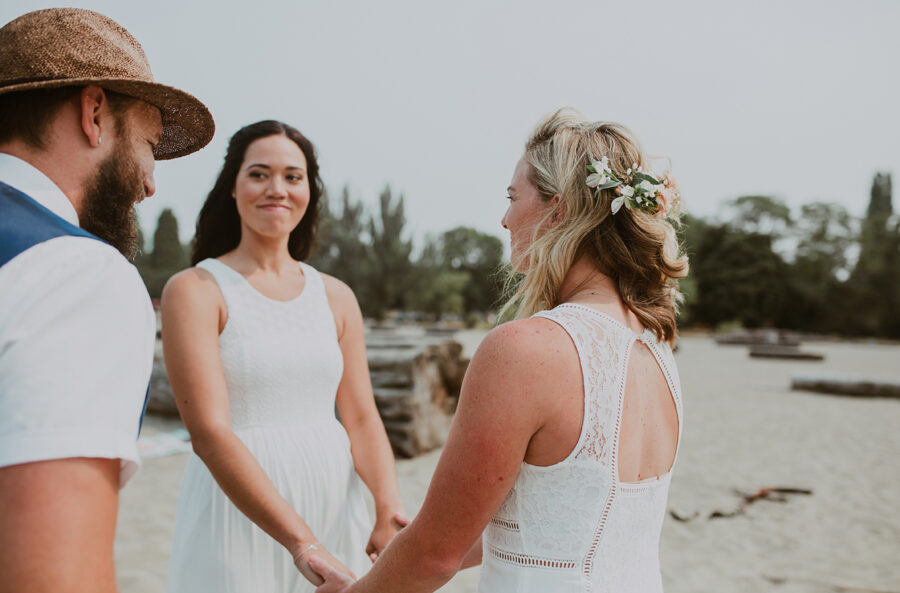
(77,334)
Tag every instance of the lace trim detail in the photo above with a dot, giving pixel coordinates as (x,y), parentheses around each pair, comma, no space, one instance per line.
(529,560)
(670,378)
(588,566)
(599,353)
(505,523)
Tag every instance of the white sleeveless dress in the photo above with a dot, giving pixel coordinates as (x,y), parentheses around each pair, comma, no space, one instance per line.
(573,526)
(282,366)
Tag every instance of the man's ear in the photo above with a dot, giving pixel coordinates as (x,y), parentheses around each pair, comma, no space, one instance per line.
(560,215)
(93,103)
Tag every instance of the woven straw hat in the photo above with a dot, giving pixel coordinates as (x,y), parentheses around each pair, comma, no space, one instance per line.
(73,47)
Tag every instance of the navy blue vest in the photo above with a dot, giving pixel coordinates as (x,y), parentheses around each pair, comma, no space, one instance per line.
(24,223)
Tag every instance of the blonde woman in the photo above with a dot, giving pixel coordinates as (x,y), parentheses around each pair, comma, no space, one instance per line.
(556,471)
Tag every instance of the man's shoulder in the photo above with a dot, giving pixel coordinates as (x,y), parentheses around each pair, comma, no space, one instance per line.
(75,270)
(81,254)
(25,223)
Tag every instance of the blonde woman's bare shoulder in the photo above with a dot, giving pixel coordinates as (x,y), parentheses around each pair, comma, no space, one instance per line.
(529,347)
(520,369)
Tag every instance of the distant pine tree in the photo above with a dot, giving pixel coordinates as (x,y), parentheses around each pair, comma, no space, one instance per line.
(168,256)
(343,249)
(168,252)
(391,269)
(880,206)
(874,285)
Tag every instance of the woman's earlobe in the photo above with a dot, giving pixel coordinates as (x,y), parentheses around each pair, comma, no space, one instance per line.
(560,214)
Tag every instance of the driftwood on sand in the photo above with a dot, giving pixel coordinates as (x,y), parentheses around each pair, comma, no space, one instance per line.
(783,351)
(772,493)
(846,386)
(416,381)
(160,399)
(749,337)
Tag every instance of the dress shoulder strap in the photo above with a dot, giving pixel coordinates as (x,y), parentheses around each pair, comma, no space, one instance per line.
(601,345)
(227,279)
(224,275)
(313,278)
(317,296)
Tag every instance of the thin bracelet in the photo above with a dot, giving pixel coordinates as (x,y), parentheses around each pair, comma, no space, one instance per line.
(310,548)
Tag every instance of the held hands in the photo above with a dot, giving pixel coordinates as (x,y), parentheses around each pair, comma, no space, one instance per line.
(383,533)
(324,560)
(326,572)
(334,581)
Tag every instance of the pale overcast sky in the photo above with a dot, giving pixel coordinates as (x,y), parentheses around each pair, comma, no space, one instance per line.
(797,99)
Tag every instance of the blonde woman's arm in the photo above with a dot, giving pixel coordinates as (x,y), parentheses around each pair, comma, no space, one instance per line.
(193,315)
(506,398)
(372,455)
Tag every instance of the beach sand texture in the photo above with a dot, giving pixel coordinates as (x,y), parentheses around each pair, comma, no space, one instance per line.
(744,430)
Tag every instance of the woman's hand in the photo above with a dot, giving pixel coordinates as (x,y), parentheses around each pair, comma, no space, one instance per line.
(333,581)
(383,532)
(325,561)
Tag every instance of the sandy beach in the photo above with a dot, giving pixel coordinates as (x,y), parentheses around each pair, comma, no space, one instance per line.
(744,429)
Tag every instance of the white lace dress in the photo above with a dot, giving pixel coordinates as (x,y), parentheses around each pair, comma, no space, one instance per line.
(282,367)
(573,526)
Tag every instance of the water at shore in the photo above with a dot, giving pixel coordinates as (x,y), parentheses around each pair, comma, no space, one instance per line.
(743,430)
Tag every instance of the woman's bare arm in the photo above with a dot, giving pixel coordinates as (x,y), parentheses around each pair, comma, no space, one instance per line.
(372,455)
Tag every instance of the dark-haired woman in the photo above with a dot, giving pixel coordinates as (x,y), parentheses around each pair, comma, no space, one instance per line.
(259,347)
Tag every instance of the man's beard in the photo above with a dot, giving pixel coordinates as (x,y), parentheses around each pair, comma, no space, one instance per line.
(108,208)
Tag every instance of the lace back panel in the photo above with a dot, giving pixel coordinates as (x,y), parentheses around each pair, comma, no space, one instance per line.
(556,517)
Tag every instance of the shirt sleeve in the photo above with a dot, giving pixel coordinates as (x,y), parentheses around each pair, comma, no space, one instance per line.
(77,334)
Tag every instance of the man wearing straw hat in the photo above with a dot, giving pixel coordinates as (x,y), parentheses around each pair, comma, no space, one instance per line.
(81,123)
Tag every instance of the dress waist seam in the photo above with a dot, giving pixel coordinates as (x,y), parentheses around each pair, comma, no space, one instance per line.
(530,560)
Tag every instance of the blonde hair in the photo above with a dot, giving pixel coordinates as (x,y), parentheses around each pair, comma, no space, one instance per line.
(638,251)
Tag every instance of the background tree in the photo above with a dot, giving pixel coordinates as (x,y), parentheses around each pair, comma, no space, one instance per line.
(737,277)
(874,289)
(763,215)
(691,232)
(738,273)
(343,248)
(168,256)
(168,252)
(480,256)
(390,280)
(436,289)
(824,234)
(140,254)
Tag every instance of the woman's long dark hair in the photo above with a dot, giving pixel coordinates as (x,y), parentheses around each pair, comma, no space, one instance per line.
(219,225)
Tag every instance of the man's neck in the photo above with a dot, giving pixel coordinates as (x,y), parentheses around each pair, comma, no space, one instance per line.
(54,166)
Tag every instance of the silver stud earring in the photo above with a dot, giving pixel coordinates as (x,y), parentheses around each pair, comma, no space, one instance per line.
(99,140)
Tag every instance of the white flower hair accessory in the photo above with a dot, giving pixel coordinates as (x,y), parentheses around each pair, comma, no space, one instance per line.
(636,189)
